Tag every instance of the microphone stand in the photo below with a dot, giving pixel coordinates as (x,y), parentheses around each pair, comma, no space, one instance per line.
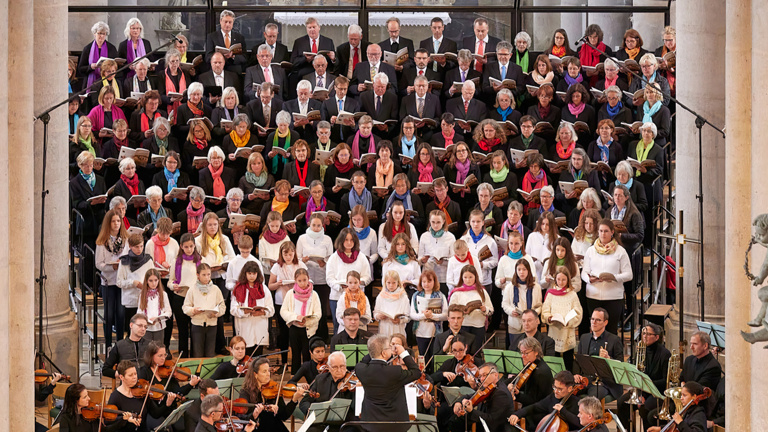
(45,117)
(699,121)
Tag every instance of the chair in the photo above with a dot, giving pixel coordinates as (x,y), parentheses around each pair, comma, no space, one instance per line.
(58,393)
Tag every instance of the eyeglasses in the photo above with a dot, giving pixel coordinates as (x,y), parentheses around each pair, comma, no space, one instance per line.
(457,351)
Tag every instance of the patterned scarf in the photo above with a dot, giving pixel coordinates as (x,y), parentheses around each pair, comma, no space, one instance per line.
(507,226)
(276,144)
(558,51)
(403,258)
(357,297)
(194,217)
(200,143)
(606,249)
(530,183)
(162,145)
(90,179)
(565,153)
(196,111)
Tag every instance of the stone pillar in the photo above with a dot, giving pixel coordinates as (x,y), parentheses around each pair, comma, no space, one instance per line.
(60,329)
(701,34)
(5,223)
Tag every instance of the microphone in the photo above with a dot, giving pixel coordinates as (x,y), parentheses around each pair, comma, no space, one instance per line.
(176,38)
(581,41)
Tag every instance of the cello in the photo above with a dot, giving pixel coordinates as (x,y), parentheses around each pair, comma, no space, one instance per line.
(553,422)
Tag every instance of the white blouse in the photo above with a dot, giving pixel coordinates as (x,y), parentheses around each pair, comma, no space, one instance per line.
(410,272)
(154,312)
(269,251)
(507,270)
(515,323)
(453,271)
(489,264)
(617,264)
(171,251)
(307,246)
(427,329)
(476,318)
(384,244)
(437,248)
(393,308)
(370,247)
(282,273)
(336,273)
(236,266)
(254,329)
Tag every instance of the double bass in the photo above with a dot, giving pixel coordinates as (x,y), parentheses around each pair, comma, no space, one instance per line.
(553,422)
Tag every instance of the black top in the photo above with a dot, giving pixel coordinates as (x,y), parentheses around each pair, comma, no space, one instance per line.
(308,371)
(547,343)
(384,392)
(569,413)
(269,421)
(538,386)
(225,370)
(78,424)
(343,338)
(705,371)
(134,405)
(494,410)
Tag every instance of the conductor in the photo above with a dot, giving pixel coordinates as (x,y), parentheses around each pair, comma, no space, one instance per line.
(384,399)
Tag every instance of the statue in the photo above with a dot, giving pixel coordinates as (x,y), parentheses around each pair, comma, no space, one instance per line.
(760,237)
(172,20)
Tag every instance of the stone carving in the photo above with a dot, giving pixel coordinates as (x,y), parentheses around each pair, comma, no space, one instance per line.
(760,237)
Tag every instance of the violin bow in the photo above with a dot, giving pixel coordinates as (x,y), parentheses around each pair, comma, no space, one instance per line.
(231,402)
(342,385)
(482,346)
(101,414)
(172,371)
(252,354)
(149,387)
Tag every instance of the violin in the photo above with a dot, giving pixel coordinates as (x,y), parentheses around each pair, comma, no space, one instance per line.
(552,422)
(42,375)
(290,389)
(347,383)
(606,418)
(181,374)
(672,426)
(156,392)
(95,411)
(524,374)
(270,390)
(322,366)
(466,367)
(238,406)
(482,394)
(232,424)
(423,385)
(242,365)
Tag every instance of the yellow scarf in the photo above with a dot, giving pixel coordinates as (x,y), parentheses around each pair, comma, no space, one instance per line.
(183,58)
(279,206)
(114,86)
(605,249)
(240,142)
(215,244)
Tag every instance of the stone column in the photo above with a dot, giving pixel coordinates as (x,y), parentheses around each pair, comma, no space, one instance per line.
(60,329)
(701,35)
(5,222)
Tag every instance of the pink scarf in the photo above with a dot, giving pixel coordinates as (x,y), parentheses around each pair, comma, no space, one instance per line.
(507,227)
(392,295)
(356,145)
(303,295)
(576,110)
(425,172)
(462,171)
(463,288)
(609,83)
(449,138)
(312,207)
(194,217)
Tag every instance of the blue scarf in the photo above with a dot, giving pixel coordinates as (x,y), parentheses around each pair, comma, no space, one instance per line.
(504,113)
(476,238)
(89,179)
(155,217)
(172,178)
(365,200)
(605,151)
(409,147)
(571,81)
(515,256)
(406,199)
(613,111)
(363,233)
(628,184)
(652,79)
(436,234)
(415,305)
(528,294)
(402,259)
(77,118)
(649,111)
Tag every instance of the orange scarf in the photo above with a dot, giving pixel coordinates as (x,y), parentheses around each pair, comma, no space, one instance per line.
(218,184)
(240,142)
(170,87)
(359,297)
(159,251)
(195,110)
(632,53)
(279,206)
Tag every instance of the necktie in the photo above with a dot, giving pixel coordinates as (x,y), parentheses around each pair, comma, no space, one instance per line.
(355,58)
(272,50)
(320,82)
(395,46)
(226,40)
(267,76)
(466,107)
(503,72)
(314,46)
(378,104)
(480,51)
(463,76)
(420,107)
(265,111)
(373,72)
(421,72)
(436,43)
(341,129)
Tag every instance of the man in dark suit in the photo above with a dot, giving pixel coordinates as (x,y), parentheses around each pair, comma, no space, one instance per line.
(218,77)
(330,108)
(443,340)
(267,105)
(547,199)
(264,71)
(320,77)
(493,410)
(701,366)
(365,71)
(395,43)
(278,50)
(313,42)
(381,105)
(423,105)
(602,343)
(192,414)
(462,73)
(480,43)
(421,61)
(384,385)
(494,69)
(303,104)
(531,322)
(225,37)
(350,53)
(539,384)
(438,43)
(326,386)
(351,335)
(466,107)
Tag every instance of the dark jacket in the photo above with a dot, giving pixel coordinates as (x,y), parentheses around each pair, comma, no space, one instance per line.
(384,392)
(124,349)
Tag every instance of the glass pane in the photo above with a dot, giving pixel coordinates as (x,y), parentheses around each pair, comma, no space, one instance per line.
(158,27)
(333,25)
(440,3)
(234,4)
(105,3)
(458,25)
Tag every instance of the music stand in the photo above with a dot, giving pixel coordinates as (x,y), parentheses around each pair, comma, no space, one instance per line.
(508,362)
(595,366)
(353,353)
(439,359)
(627,374)
(175,416)
(556,364)
(454,394)
(619,427)
(331,412)
(418,427)
(716,332)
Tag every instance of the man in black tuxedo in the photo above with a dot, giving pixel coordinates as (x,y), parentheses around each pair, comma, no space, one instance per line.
(602,343)
(384,385)
(264,106)
(421,60)
(443,340)
(264,71)
(381,105)
(438,43)
(547,199)
(493,410)
(225,37)
(531,323)
(350,53)
(278,50)
(303,104)
(331,106)
(510,70)
(365,71)
(462,73)
(395,43)
(466,107)
(424,105)
(320,77)
(313,42)
(218,77)
(480,43)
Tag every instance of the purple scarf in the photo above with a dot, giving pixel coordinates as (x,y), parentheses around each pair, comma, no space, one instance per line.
(312,207)
(571,81)
(462,171)
(180,260)
(93,57)
(131,56)
(576,110)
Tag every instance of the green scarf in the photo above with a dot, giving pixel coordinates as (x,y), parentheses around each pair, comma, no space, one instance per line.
(88,145)
(276,143)
(522,62)
(323,167)
(527,141)
(499,176)
(560,262)
(642,153)
(256,180)
(162,145)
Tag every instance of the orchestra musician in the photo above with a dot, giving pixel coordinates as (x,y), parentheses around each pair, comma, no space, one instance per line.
(533,414)
(590,411)
(444,340)
(193,414)
(351,334)
(326,385)
(154,358)
(531,323)
(695,417)
(310,369)
(492,408)
(212,409)
(270,412)
(539,384)
(132,348)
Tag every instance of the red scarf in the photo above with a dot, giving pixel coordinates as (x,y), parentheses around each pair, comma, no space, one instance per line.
(488,145)
(425,172)
(195,110)
(396,231)
(255,292)
(302,172)
(565,154)
(609,83)
(145,120)
(170,87)
(348,259)
(443,206)
(218,184)
(159,252)
(449,138)
(126,224)
(274,238)
(589,56)
(558,51)
(194,217)
(530,183)
(343,168)
(544,111)
(132,183)
(467,259)
(119,143)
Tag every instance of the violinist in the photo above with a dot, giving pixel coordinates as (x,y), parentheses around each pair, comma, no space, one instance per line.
(695,417)
(226,370)
(124,399)
(447,373)
(132,348)
(491,402)
(71,419)
(538,384)
(568,412)
(212,412)
(194,412)
(42,393)
(326,385)
(591,413)
(385,392)
(270,409)
(154,360)
(311,368)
